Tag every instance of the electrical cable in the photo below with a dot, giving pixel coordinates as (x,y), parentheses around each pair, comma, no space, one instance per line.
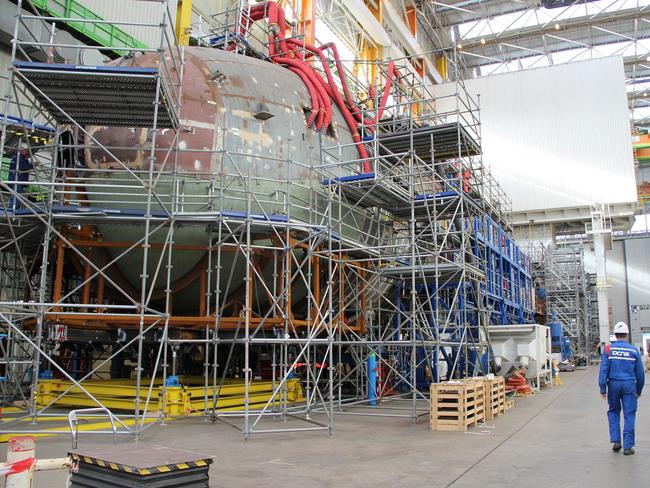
(320,91)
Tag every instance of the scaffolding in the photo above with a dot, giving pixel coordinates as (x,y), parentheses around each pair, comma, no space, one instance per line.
(567,293)
(269,290)
(41,306)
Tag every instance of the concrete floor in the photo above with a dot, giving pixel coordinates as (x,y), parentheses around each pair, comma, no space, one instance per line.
(556,438)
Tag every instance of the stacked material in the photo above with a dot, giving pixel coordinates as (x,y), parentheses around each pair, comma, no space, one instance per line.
(495,397)
(517,382)
(456,405)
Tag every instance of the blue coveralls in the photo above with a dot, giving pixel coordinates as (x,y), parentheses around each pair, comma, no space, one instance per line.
(19,168)
(622,378)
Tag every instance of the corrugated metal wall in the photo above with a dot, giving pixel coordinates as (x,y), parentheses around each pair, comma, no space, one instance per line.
(637,258)
(133,11)
(212,7)
(558,137)
(628,273)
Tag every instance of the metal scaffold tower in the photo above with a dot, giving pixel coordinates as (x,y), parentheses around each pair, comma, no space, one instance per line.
(567,293)
(185,248)
(440,263)
(52,109)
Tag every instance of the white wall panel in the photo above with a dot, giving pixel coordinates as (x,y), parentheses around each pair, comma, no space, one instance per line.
(628,275)
(559,136)
(637,257)
(144,11)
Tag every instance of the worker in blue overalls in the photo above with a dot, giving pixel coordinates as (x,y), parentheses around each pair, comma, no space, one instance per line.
(19,168)
(621,382)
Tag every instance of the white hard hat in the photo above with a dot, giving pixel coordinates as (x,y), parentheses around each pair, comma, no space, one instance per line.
(621,328)
(612,338)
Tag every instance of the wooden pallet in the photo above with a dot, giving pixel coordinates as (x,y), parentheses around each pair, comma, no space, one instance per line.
(520,394)
(495,397)
(457,405)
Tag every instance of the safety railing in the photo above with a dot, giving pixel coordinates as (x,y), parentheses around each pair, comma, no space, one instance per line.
(74,419)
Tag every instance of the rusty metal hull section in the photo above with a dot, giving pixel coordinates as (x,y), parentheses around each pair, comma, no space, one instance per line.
(242,130)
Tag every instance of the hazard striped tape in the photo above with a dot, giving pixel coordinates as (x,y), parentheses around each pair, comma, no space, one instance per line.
(17,467)
(141,471)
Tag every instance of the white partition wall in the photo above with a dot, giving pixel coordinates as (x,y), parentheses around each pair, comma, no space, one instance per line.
(559,136)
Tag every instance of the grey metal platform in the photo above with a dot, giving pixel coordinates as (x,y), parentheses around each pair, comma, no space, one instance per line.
(376,190)
(372,190)
(443,141)
(99,95)
(20,129)
(425,273)
(139,465)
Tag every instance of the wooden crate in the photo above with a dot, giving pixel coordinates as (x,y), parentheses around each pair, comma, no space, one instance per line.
(495,397)
(457,405)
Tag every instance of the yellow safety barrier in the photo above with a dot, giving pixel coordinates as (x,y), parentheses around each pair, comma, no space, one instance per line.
(177,400)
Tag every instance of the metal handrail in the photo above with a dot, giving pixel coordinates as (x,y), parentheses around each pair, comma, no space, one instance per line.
(73,421)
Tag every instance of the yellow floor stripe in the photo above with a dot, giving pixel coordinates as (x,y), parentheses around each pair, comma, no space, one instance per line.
(103,426)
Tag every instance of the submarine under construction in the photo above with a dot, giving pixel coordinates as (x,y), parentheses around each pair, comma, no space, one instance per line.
(249,212)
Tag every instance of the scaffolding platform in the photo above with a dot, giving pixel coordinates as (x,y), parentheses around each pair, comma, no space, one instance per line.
(100,95)
(425,274)
(222,41)
(18,129)
(445,140)
(139,465)
(427,204)
(61,211)
(372,190)
(376,190)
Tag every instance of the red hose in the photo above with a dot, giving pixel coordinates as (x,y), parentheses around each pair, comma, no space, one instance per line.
(313,94)
(347,116)
(341,72)
(320,91)
(325,102)
(518,383)
(309,74)
(389,85)
(330,88)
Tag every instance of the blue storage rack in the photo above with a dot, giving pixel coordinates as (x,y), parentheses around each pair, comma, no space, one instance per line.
(507,291)
(509,282)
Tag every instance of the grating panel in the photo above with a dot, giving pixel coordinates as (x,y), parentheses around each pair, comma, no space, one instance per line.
(444,140)
(99,95)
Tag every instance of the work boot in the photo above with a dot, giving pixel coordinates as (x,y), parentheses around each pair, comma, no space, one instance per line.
(616,447)
(628,452)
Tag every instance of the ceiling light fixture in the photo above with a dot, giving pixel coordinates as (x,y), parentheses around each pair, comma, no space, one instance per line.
(482,41)
(557,26)
(459,46)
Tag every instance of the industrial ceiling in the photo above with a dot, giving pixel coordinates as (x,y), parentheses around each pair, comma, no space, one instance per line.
(495,36)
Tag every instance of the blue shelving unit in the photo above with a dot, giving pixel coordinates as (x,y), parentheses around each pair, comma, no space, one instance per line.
(442,299)
(509,283)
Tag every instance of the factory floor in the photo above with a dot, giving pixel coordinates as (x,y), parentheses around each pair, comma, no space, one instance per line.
(556,438)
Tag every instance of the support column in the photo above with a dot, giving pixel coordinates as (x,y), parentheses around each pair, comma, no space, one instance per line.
(601,235)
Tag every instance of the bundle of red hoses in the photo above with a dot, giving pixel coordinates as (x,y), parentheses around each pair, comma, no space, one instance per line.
(518,382)
(293,54)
